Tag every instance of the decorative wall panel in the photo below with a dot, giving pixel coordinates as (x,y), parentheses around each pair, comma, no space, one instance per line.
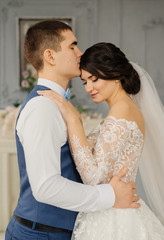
(84,13)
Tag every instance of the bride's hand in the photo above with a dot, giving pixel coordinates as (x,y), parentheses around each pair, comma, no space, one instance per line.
(68,111)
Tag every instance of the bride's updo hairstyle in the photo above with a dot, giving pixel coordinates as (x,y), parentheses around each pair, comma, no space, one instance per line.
(106,61)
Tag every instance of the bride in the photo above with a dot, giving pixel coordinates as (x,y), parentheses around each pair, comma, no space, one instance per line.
(124,138)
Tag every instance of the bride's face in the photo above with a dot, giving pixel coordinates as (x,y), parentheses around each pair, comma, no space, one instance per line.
(99,89)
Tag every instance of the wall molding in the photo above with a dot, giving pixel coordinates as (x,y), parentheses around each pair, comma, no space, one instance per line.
(152,30)
(158,22)
(84,11)
(150,26)
(15,3)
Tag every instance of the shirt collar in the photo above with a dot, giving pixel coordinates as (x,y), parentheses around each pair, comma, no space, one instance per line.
(52,85)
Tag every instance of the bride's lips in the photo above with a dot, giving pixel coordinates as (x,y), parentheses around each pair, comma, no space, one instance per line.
(94,95)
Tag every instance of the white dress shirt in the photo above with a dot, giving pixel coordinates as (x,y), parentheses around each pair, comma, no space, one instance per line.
(42,132)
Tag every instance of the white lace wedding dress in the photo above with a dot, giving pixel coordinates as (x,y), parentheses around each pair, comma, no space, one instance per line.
(113,144)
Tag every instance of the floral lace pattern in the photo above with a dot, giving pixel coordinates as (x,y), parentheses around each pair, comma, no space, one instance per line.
(119,224)
(113,144)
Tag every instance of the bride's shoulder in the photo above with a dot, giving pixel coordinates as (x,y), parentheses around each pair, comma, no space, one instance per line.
(123,109)
(129,111)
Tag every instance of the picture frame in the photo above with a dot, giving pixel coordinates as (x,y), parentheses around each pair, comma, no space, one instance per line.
(26,70)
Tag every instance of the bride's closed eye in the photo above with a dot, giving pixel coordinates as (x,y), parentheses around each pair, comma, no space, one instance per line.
(84,83)
(95,80)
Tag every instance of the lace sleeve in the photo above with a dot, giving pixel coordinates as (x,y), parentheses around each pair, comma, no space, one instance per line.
(118,143)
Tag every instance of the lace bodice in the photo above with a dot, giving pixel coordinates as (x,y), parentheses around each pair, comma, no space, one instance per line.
(114,143)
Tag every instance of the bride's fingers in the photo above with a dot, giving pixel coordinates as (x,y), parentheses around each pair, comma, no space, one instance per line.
(56,100)
(52,95)
(48,92)
(135,205)
(134,190)
(136,198)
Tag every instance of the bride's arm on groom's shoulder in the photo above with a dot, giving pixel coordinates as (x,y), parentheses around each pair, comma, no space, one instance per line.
(42,133)
(91,171)
(85,160)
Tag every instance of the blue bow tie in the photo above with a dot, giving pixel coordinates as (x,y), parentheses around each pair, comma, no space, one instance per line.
(67,94)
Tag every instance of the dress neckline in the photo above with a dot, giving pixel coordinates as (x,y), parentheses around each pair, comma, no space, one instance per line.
(121,120)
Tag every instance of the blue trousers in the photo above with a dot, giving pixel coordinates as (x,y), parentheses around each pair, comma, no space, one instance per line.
(16,231)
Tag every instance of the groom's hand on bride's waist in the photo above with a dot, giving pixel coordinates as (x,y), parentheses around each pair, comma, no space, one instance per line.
(125,193)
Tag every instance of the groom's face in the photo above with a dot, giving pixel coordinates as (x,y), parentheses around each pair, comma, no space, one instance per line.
(68,59)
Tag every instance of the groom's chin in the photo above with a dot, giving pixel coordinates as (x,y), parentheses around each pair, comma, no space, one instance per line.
(77,74)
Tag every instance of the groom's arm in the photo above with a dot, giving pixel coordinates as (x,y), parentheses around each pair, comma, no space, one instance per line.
(42,132)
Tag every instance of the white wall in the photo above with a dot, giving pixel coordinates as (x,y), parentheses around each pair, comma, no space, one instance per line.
(85,21)
(136,26)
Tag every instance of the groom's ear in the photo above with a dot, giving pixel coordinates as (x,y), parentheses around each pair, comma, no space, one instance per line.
(49,56)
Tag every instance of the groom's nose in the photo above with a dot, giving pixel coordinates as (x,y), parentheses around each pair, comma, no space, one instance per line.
(79,53)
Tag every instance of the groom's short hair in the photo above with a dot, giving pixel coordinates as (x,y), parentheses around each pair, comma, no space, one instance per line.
(41,36)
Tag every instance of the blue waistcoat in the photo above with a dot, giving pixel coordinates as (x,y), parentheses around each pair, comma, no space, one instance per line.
(28,207)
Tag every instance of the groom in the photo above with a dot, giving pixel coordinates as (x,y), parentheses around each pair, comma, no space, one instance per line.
(51,191)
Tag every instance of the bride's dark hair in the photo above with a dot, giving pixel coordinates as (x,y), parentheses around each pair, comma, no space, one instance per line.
(108,62)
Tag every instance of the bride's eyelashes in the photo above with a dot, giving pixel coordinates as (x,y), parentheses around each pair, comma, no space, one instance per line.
(95,80)
(84,83)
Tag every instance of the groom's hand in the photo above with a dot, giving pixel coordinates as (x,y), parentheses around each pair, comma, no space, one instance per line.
(125,193)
